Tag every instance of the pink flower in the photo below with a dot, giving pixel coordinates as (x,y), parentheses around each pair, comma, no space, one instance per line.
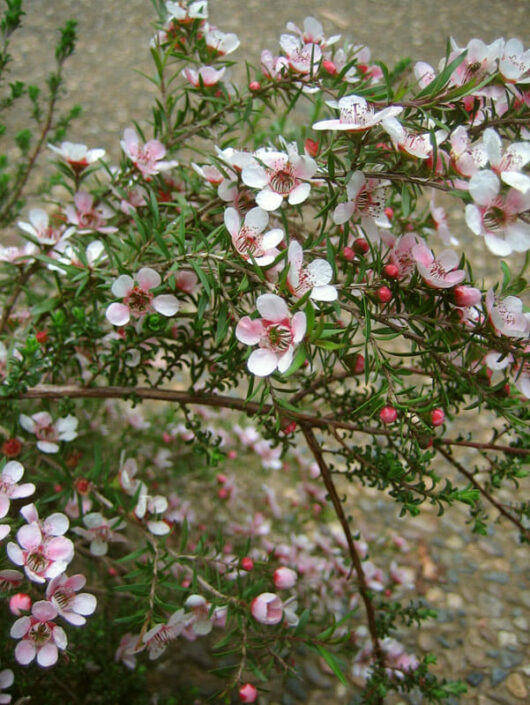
(439,216)
(496,217)
(206,75)
(302,58)
(78,155)
(267,608)
(138,299)
(39,228)
(249,240)
(7,679)
(148,158)
(20,602)
(157,638)
(127,650)
(279,175)
(185,12)
(61,592)
(467,296)
(480,60)
(10,579)
(313,33)
(356,115)
(99,531)
(43,551)
(48,432)
(366,199)
(88,218)
(9,487)
(40,636)
(220,42)
(467,159)
(276,333)
(507,316)
(514,62)
(419,146)
(284,578)
(440,273)
(273,67)
(314,278)
(508,165)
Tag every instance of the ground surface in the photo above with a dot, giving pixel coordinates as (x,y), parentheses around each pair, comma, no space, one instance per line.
(483,598)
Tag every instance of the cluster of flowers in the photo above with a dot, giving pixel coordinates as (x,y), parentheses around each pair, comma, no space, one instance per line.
(44,552)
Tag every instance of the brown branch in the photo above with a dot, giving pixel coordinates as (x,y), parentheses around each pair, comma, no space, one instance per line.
(483,491)
(221,401)
(356,561)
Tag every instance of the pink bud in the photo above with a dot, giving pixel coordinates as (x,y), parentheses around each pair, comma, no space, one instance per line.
(254,86)
(361,246)
(267,608)
(467,295)
(248,693)
(389,212)
(348,254)
(384,294)
(311,147)
(247,563)
(388,414)
(391,271)
(284,578)
(329,66)
(358,368)
(232,454)
(437,417)
(20,603)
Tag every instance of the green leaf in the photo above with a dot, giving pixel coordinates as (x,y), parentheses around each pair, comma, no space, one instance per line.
(334,663)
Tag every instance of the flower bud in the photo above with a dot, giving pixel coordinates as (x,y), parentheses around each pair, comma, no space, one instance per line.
(247,563)
(437,417)
(20,602)
(11,448)
(358,367)
(361,246)
(467,295)
(284,578)
(311,147)
(388,414)
(41,336)
(391,271)
(254,86)
(330,67)
(389,212)
(248,693)
(384,294)
(289,428)
(267,608)
(348,254)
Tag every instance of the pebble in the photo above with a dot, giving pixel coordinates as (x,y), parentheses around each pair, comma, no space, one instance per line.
(510,659)
(496,577)
(296,687)
(491,548)
(316,677)
(287,699)
(454,600)
(507,638)
(497,675)
(515,685)
(521,623)
(434,595)
(426,642)
(475,678)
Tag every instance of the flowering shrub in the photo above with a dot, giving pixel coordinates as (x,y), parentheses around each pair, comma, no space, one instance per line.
(204,346)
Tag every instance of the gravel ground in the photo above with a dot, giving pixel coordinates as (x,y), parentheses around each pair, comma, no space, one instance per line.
(483,599)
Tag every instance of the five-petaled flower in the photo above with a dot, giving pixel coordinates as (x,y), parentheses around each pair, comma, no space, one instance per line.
(40,636)
(49,433)
(147,158)
(61,592)
(249,239)
(356,115)
(138,298)
(276,333)
(9,487)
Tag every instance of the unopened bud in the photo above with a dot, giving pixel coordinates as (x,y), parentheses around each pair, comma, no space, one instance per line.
(361,246)
(348,254)
(467,295)
(330,67)
(311,147)
(388,414)
(247,563)
(254,85)
(437,417)
(391,271)
(248,693)
(384,294)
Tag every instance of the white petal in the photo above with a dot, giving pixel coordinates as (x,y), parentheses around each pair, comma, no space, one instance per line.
(257,218)
(232,221)
(166,304)
(118,314)
(269,200)
(122,285)
(484,186)
(299,194)
(321,272)
(262,362)
(148,278)
(272,307)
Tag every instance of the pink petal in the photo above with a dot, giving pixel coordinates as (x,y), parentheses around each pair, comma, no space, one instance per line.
(20,628)
(118,314)
(284,362)
(343,212)
(299,326)
(4,505)
(29,536)
(249,331)
(83,201)
(56,524)
(14,553)
(25,652)
(24,490)
(59,548)
(148,278)
(232,221)
(122,285)
(47,447)
(59,637)
(43,611)
(47,655)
